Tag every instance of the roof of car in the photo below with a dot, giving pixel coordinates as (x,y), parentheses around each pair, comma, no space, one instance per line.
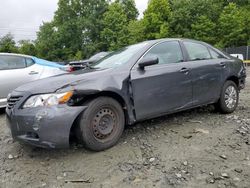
(171,39)
(37,60)
(152,42)
(13,54)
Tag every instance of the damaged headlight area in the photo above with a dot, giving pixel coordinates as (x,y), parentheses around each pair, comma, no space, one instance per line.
(47,100)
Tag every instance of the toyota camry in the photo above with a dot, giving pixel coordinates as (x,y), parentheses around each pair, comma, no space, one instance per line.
(135,83)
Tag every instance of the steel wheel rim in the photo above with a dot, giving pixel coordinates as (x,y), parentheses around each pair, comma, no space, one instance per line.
(104,124)
(230,97)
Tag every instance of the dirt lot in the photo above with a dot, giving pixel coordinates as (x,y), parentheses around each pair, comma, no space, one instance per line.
(196,148)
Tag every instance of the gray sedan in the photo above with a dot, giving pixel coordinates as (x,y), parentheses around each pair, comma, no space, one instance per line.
(16,69)
(138,82)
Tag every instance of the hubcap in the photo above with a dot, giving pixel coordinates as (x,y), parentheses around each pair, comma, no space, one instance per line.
(231,97)
(104,123)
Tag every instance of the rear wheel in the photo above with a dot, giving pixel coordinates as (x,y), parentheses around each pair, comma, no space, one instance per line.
(102,123)
(229,98)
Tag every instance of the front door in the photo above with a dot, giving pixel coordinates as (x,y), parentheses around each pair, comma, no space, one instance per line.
(165,87)
(15,71)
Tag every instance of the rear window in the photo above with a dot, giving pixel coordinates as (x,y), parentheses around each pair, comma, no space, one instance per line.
(29,62)
(12,62)
(197,51)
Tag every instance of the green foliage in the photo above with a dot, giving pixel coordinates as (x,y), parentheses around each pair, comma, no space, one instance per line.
(231,27)
(76,29)
(246,21)
(7,44)
(136,31)
(47,42)
(27,47)
(156,19)
(187,13)
(204,29)
(238,2)
(78,55)
(129,8)
(81,28)
(115,32)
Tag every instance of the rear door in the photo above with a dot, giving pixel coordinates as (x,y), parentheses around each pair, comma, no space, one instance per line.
(164,87)
(15,71)
(207,72)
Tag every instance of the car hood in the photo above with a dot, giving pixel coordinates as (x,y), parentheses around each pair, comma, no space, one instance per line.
(60,82)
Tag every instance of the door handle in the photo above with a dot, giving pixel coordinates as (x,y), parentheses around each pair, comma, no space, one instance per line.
(223,64)
(33,73)
(184,70)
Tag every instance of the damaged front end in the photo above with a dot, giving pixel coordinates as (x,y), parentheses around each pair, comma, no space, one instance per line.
(47,127)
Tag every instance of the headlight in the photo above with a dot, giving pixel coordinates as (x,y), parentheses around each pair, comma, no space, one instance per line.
(48,99)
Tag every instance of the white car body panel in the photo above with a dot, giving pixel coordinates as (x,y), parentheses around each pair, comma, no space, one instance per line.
(13,78)
(239,56)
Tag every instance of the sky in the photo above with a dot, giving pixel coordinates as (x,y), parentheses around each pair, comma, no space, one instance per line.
(22,18)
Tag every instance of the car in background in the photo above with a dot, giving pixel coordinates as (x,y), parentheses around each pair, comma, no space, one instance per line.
(16,69)
(135,83)
(81,64)
(239,56)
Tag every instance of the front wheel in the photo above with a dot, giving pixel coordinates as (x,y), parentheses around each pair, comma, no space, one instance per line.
(101,124)
(229,98)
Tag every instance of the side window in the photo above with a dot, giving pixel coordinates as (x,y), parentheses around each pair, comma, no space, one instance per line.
(214,54)
(3,64)
(11,62)
(29,62)
(197,51)
(167,52)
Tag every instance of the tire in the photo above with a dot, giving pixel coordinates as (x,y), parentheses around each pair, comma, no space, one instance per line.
(228,101)
(101,124)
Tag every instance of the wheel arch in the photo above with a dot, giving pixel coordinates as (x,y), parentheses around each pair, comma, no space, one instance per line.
(86,99)
(235,79)
(110,94)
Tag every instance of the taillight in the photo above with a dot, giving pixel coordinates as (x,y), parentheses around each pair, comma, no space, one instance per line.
(71,69)
(68,69)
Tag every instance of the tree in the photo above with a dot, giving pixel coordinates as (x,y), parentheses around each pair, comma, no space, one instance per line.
(27,47)
(136,31)
(81,28)
(74,32)
(8,44)
(129,8)
(47,43)
(204,29)
(238,2)
(115,32)
(246,21)
(185,13)
(79,25)
(156,19)
(231,27)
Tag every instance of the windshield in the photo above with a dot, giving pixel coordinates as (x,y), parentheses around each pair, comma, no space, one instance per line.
(119,57)
(99,56)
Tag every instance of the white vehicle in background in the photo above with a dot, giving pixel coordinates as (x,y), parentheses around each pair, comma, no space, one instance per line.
(16,69)
(239,56)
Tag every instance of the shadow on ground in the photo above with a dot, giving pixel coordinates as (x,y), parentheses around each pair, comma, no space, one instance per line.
(131,131)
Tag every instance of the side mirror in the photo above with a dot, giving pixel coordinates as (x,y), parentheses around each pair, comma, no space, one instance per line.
(147,61)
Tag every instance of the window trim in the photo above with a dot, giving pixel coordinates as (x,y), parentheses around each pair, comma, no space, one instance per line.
(211,49)
(158,43)
(26,64)
(196,42)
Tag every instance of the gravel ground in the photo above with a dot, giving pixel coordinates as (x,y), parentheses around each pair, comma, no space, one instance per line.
(196,148)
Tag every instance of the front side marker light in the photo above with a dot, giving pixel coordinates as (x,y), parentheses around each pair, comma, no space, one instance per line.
(65,98)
